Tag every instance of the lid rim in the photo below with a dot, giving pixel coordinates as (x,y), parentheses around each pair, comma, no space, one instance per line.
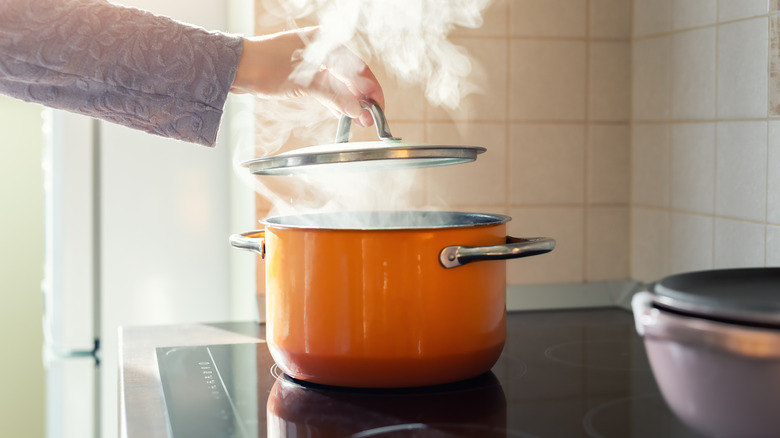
(434,154)
(709,294)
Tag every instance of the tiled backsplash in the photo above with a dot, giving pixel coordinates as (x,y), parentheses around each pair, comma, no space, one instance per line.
(553,112)
(642,135)
(565,75)
(705,152)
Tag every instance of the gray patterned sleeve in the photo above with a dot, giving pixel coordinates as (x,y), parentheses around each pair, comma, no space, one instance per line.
(119,64)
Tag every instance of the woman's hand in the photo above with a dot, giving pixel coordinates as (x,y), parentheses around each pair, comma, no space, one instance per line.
(271,65)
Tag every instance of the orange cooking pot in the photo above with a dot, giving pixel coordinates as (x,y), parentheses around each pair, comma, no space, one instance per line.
(386,299)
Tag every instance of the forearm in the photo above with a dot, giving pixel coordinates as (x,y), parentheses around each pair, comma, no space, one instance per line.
(119,64)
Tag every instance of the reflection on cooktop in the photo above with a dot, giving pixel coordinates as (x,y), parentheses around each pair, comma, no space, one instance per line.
(608,354)
(562,374)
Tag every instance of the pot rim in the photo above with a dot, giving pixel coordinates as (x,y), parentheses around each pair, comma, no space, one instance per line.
(393,220)
(656,323)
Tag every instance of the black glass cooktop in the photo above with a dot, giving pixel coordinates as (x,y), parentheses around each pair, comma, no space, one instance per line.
(573,373)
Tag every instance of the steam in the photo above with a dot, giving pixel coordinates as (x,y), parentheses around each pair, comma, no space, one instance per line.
(409,40)
(409,37)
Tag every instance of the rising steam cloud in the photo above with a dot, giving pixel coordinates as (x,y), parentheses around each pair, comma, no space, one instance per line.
(408,38)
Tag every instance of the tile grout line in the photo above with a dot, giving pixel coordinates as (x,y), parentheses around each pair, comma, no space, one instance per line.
(768,111)
(586,154)
(631,44)
(540,38)
(713,120)
(772,34)
(426,139)
(704,26)
(698,214)
(507,110)
(669,148)
(715,145)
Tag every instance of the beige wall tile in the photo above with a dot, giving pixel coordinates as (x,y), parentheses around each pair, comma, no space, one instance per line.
(772,245)
(690,243)
(693,167)
(736,9)
(547,80)
(650,167)
(652,16)
(738,244)
(694,13)
(556,18)
(610,18)
(609,164)
(413,132)
(651,81)
(547,164)
(403,101)
(742,69)
(481,183)
(693,74)
(277,15)
(609,88)
(649,244)
(774,65)
(773,176)
(488,100)
(487,209)
(741,172)
(494,22)
(565,263)
(607,248)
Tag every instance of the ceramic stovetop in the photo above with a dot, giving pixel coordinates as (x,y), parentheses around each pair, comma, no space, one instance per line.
(564,373)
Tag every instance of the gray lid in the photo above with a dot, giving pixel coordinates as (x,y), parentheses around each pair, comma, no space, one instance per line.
(750,295)
(388,153)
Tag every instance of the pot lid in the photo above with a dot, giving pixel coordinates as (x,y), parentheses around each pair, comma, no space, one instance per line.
(388,153)
(749,296)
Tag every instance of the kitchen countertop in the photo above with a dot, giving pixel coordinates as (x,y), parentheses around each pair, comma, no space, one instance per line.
(141,402)
(573,373)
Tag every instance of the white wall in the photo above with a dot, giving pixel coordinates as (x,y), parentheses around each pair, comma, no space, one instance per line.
(705,148)
(21,269)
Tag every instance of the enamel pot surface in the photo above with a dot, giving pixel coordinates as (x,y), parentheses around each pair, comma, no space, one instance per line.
(386,299)
(713,341)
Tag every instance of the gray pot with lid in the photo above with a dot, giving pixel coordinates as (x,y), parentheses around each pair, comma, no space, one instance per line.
(713,341)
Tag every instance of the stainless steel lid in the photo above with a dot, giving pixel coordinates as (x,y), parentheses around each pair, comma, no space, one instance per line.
(749,296)
(388,153)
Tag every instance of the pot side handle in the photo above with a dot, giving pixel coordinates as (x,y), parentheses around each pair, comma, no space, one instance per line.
(251,241)
(515,247)
(644,313)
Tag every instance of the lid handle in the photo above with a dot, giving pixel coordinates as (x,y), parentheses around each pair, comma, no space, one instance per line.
(380,122)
